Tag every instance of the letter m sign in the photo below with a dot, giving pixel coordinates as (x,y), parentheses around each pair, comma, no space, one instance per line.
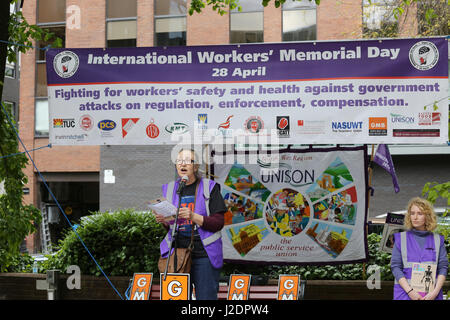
(142,284)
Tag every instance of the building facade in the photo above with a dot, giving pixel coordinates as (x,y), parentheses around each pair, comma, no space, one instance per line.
(79,177)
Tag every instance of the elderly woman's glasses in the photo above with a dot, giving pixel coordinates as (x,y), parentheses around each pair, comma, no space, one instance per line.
(184,161)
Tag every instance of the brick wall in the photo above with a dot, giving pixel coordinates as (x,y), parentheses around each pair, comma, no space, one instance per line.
(145,25)
(26,104)
(23,287)
(58,158)
(91,33)
(339,19)
(407,23)
(207,28)
(273,23)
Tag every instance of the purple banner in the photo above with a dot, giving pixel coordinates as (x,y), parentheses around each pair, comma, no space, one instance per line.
(383,158)
(252,62)
(373,91)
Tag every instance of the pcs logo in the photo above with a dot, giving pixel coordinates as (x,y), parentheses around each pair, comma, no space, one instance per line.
(107,125)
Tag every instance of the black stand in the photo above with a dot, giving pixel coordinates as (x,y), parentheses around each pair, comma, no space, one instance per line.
(173,243)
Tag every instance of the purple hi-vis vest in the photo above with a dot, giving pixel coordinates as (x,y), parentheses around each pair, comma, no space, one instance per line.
(212,241)
(411,253)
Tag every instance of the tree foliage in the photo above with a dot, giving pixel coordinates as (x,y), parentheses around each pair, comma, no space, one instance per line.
(224,6)
(432,17)
(16,219)
(22,33)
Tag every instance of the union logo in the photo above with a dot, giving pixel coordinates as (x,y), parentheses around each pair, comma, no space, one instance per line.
(152,130)
(66,64)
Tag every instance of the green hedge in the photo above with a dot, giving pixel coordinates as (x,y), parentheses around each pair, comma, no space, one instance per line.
(122,242)
(22,262)
(353,271)
(125,242)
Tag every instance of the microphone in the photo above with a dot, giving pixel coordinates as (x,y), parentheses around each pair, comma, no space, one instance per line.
(182,184)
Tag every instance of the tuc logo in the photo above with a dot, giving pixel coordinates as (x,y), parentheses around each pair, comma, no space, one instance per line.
(239,287)
(288,287)
(63,123)
(176,286)
(142,284)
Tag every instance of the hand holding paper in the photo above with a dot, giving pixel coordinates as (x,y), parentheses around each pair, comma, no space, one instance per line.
(162,207)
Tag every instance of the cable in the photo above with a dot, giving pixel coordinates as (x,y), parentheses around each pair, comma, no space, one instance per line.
(57,203)
(16,154)
(24,45)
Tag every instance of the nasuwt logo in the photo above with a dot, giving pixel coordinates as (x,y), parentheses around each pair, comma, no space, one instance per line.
(66,64)
(346,126)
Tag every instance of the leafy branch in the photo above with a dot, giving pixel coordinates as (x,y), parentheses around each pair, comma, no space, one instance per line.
(17,220)
(22,35)
(224,6)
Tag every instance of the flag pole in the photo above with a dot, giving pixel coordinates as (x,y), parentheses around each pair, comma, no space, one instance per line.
(207,158)
(370,171)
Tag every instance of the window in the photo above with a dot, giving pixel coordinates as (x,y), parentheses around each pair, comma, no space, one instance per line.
(41,122)
(378,18)
(12,110)
(41,80)
(247,25)
(51,11)
(299,21)
(10,70)
(121,23)
(170,22)
(51,15)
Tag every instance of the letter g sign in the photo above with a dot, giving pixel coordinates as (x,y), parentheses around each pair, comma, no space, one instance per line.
(288,284)
(174,288)
(239,283)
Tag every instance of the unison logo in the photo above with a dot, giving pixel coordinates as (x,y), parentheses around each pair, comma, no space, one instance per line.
(399,118)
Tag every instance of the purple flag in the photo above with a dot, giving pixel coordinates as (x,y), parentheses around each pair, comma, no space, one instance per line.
(383,158)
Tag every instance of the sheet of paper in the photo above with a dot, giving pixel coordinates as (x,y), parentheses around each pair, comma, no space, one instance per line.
(423,277)
(162,207)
